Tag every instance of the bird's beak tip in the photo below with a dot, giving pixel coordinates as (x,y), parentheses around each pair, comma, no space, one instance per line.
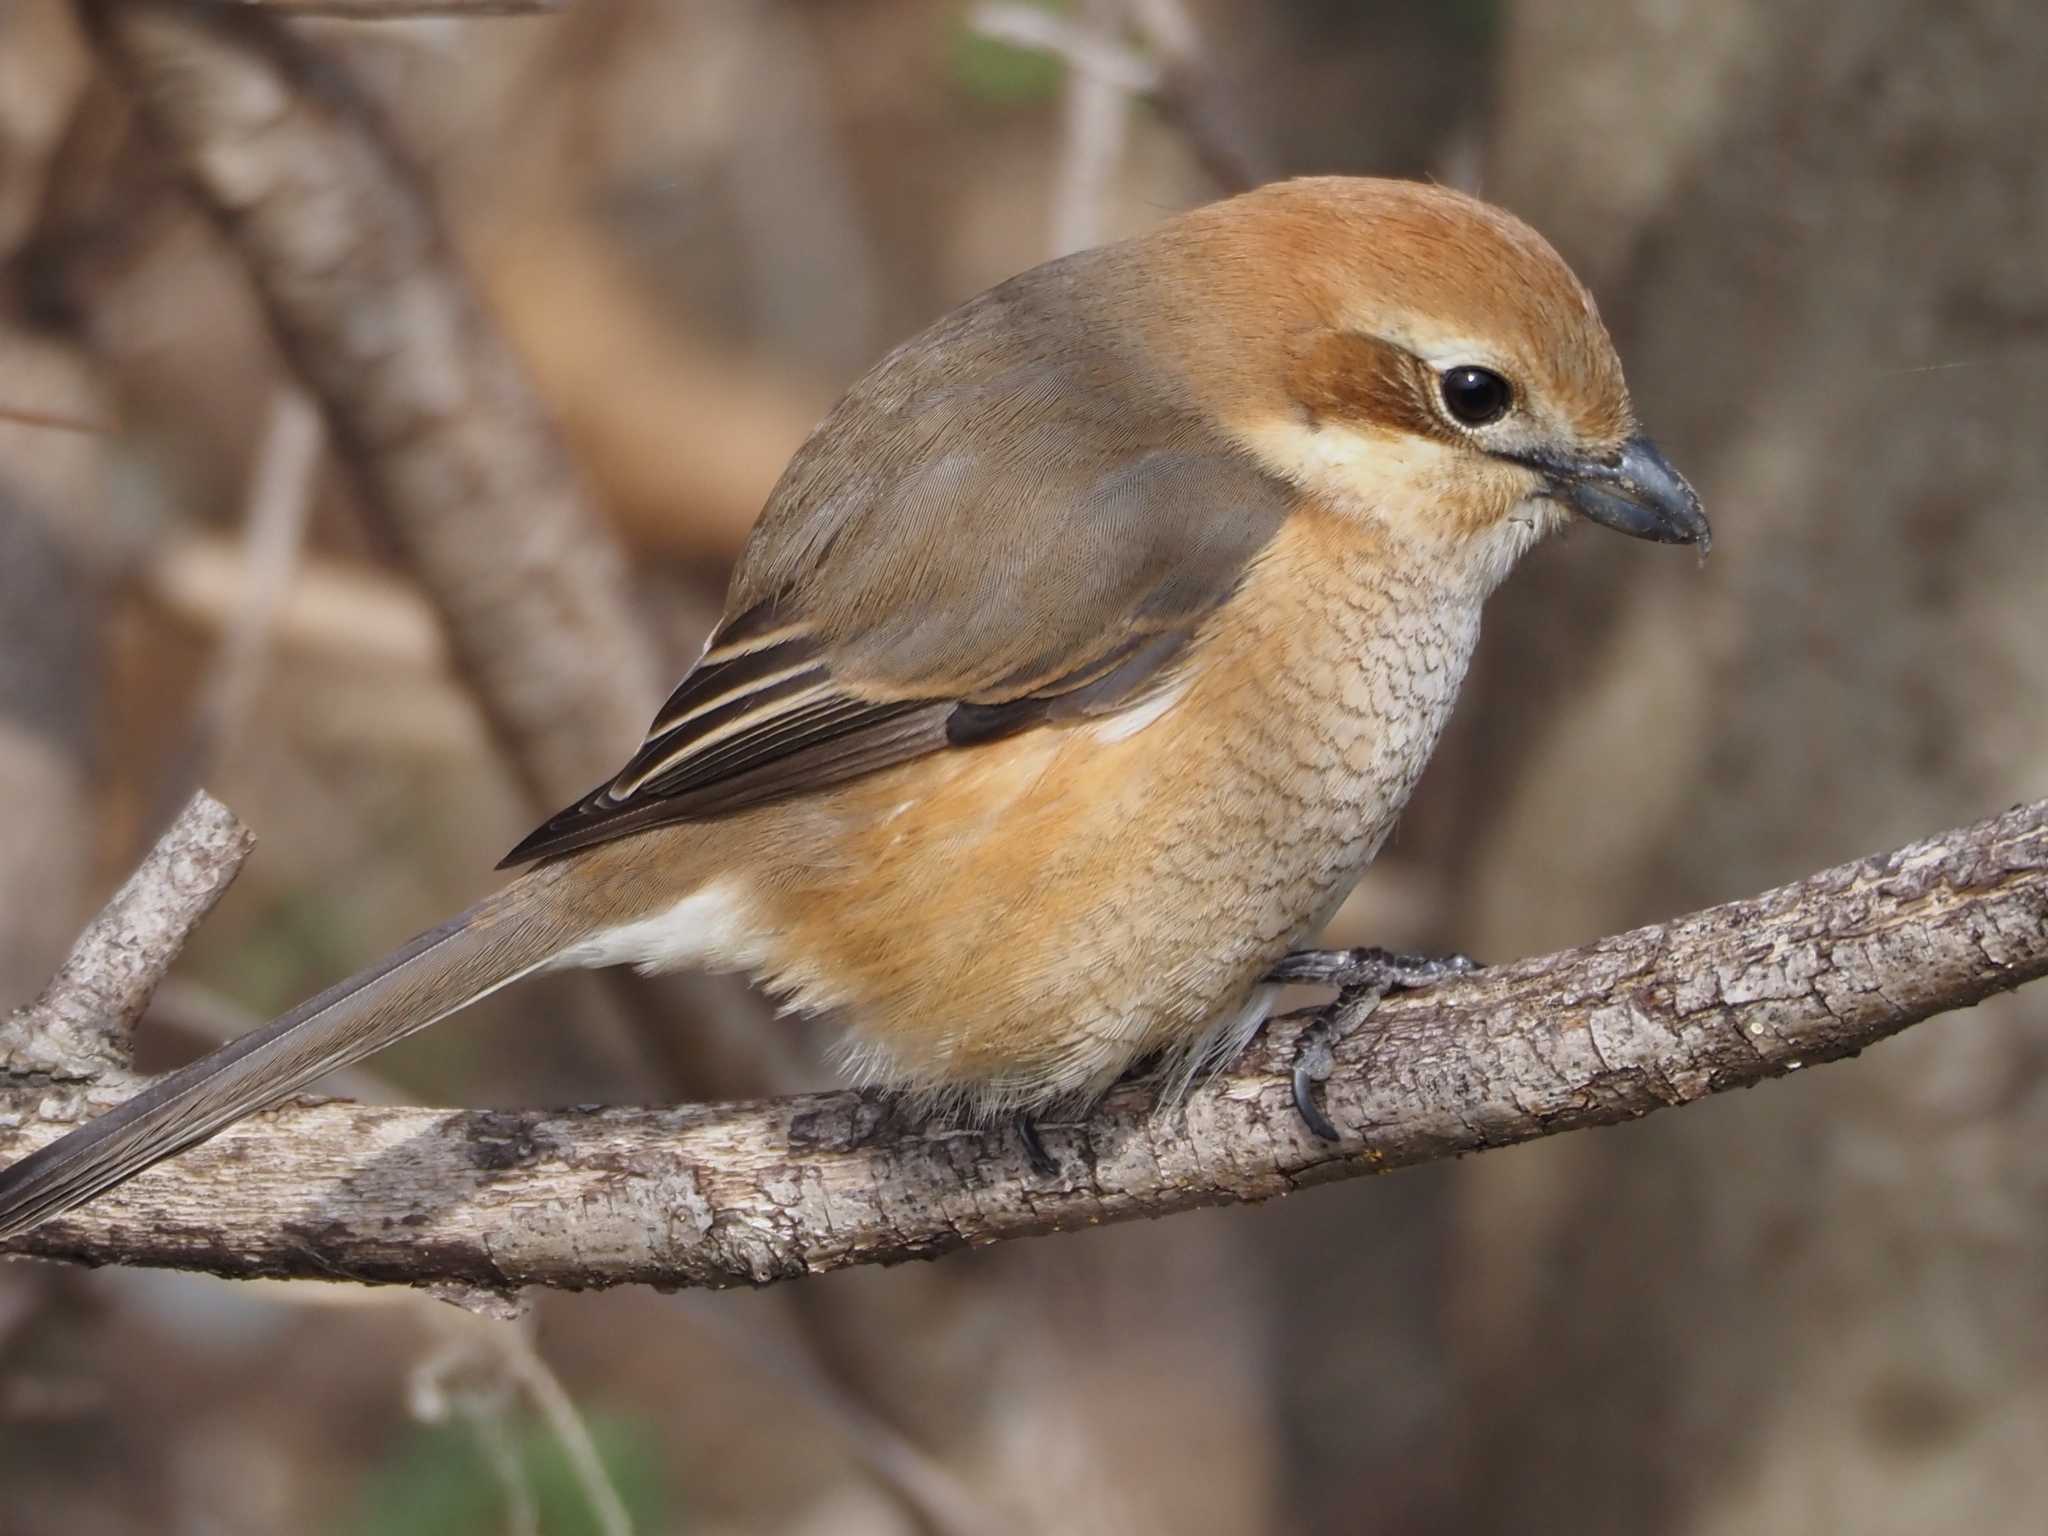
(1636,492)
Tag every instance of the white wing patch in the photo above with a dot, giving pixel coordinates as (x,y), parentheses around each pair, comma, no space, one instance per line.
(1126,723)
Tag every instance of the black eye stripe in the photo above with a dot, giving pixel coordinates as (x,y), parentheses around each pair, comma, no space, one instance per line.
(1475,397)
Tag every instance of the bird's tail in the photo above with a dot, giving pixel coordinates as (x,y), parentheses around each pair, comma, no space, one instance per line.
(508,935)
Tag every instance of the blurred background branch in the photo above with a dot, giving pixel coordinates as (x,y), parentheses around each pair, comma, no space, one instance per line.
(403,10)
(47,655)
(426,405)
(278,507)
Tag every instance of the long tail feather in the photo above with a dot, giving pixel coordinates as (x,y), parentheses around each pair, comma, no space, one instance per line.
(505,937)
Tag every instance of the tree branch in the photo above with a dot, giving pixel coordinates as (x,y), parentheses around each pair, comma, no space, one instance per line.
(78,1029)
(753,1192)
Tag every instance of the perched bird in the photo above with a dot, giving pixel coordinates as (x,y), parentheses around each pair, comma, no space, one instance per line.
(1080,662)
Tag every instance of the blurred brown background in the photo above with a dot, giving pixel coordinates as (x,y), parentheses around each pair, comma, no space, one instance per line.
(1820,233)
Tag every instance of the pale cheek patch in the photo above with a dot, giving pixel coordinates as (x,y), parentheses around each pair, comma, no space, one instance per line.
(1390,476)
(1409,486)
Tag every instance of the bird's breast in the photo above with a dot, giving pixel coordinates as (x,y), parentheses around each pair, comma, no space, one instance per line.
(1023,920)
(1332,679)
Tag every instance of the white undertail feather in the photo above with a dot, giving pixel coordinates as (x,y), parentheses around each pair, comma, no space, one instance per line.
(711,927)
(714,928)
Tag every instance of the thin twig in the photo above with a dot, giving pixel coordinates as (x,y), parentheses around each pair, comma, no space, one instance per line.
(1102,75)
(1176,76)
(78,1029)
(465,1379)
(483,1364)
(1098,119)
(333,610)
(565,1422)
(22,416)
(926,1485)
(1083,49)
(749,1193)
(1193,99)
(500,1450)
(280,501)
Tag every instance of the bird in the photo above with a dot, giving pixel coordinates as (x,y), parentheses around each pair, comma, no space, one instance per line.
(1079,663)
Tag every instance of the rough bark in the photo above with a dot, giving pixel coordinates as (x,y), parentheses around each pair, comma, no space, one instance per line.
(78,1029)
(748,1193)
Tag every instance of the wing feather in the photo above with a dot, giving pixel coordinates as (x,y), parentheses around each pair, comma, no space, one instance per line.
(985,536)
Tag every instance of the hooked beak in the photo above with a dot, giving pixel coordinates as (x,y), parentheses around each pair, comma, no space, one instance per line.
(1637,491)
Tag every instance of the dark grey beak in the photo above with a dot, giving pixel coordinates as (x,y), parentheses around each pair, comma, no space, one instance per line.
(1637,492)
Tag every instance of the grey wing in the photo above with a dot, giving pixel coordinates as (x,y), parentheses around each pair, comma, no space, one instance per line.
(959,584)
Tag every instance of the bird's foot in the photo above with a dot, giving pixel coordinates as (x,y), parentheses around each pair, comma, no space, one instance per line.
(1042,1162)
(1362,977)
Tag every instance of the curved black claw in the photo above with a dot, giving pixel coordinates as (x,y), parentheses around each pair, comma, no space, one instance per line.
(1313,1061)
(1041,1161)
(1362,977)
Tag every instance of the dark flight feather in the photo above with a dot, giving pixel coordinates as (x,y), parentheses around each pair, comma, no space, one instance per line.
(1101,526)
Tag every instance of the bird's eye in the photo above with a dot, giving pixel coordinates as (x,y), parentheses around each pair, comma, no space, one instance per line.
(1476,396)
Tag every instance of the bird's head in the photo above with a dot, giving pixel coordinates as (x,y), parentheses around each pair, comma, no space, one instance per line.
(1418,358)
